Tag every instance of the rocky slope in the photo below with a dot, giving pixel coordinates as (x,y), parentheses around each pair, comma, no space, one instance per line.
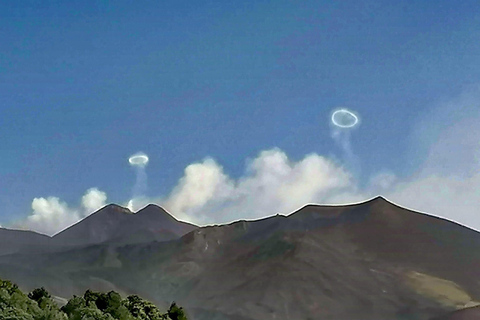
(372,260)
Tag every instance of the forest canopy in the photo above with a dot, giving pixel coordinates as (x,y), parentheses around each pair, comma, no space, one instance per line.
(39,305)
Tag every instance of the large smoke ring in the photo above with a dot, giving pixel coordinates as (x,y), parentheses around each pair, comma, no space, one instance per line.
(342,123)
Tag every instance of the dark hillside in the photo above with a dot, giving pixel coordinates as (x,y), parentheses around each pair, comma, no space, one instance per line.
(372,260)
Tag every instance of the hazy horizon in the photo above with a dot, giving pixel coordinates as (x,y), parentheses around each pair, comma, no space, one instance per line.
(22,227)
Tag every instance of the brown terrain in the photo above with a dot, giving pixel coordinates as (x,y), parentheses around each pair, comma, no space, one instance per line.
(114,223)
(472,313)
(372,260)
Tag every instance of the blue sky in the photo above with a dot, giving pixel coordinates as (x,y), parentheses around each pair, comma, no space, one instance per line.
(84,85)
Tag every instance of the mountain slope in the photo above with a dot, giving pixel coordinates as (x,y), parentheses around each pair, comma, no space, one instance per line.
(12,241)
(372,260)
(119,225)
(472,313)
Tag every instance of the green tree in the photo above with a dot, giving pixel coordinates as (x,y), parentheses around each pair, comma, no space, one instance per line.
(9,286)
(142,309)
(19,301)
(91,297)
(176,313)
(91,313)
(38,294)
(38,305)
(73,305)
(48,308)
(12,313)
(133,303)
(115,307)
(14,304)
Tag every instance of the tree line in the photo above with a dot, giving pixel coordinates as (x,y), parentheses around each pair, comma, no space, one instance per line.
(39,305)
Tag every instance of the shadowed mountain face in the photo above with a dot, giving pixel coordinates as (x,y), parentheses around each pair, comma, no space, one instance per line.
(372,260)
(12,241)
(112,224)
(116,224)
(464,314)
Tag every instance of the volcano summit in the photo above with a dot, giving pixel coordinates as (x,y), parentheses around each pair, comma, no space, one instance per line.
(371,260)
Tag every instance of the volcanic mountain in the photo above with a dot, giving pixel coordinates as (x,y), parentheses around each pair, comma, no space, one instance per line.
(12,241)
(113,223)
(472,313)
(366,261)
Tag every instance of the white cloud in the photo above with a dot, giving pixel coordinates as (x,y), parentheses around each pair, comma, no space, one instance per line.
(448,135)
(93,200)
(382,181)
(50,215)
(447,182)
(195,189)
(444,196)
(272,183)
(201,183)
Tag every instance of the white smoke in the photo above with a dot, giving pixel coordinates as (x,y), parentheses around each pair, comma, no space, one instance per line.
(140,187)
(341,133)
(201,183)
(138,161)
(51,215)
(382,181)
(271,184)
(93,200)
(447,184)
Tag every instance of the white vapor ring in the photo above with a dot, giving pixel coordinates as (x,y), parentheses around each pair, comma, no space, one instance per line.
(138,160)
(344,112)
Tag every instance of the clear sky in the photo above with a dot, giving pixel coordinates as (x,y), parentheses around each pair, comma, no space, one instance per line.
(231,101)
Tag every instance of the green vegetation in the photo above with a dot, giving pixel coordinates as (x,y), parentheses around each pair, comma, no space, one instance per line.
(39,305)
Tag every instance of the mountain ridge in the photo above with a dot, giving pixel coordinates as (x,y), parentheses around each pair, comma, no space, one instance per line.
(116,222)
(368,260)
(112,223)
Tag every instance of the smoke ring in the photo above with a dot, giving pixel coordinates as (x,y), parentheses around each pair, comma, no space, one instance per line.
(139,159)
(341,115)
